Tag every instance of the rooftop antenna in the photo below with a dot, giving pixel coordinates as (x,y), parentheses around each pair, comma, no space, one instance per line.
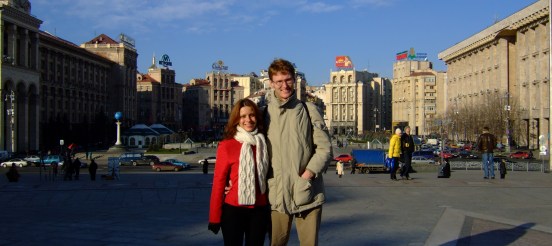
(496,19)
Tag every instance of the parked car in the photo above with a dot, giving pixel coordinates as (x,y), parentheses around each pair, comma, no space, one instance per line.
(521,155)
(210,160)
(343,158)
(446,154)
(428,154)
(134,158)
(32,159)
(50,159)
(166,166)
(467,155)
(184,165)
(153,158)
(422,160)
(18,162)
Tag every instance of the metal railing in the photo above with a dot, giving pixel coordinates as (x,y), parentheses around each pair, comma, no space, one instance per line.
(510,166)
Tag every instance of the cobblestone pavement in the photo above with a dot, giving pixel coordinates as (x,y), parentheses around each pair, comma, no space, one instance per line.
(171,208)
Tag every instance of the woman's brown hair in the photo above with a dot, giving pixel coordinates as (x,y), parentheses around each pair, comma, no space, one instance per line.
(234,118)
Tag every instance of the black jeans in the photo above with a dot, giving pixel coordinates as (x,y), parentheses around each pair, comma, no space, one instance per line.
(251,223)
(407,165)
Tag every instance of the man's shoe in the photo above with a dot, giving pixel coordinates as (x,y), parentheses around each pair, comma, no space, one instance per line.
(485,177)
(492,177)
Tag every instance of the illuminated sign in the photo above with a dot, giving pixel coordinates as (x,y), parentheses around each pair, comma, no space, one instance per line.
(165,61)
(126,39)
(219,65)
(343,62)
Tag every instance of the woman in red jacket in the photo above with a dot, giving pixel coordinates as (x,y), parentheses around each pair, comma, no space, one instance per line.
(242,163)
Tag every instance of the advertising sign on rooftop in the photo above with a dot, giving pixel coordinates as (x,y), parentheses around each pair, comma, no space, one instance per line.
(411,55)
(343,62)
(219,65)
(165,61)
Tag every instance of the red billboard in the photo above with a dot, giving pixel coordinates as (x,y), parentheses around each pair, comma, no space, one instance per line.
(343,62)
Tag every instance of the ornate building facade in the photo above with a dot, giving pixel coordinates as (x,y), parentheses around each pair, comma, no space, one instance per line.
(507,62)
(19,77)
(416,92)
(159,98)
(354,102)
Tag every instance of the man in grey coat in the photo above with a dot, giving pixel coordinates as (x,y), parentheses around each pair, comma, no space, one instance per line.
(300,150)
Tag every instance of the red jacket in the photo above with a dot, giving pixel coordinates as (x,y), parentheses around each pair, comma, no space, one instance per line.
(226,168)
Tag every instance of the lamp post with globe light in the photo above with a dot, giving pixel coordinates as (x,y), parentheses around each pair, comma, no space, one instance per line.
(118,116)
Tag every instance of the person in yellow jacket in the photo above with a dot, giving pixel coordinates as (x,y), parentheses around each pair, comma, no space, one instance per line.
(395,152)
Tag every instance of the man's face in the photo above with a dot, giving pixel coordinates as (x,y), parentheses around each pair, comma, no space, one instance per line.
(283,85)
(407,130)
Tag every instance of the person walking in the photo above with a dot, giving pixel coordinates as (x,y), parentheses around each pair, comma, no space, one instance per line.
(407,148)
(243,213)
(68,168)
(92,169)
(76,168)
(339,168)
(353,165)
(12,174)
(300,151)
(395,152)
(205,166)
(486,143)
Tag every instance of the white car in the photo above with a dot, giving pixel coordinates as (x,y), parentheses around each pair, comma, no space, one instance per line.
(210,160)
(32,158)
(18,162)
(422,160)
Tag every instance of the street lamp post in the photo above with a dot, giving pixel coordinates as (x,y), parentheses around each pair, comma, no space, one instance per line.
(11,113)
(375,118)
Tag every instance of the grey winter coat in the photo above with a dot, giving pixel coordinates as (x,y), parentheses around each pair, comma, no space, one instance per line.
(290,144)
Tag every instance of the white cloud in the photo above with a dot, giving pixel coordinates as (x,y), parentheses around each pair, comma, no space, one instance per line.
(320,7)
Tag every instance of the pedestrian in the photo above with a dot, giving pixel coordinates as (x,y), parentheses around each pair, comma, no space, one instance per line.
(68,168)
(54,170)
(300,150)
(92,169)
(12,174)
(205,166)
(395,152)
(76,168)
(243,213)
(486,143)
(353,165)
(407,148)
(339,168)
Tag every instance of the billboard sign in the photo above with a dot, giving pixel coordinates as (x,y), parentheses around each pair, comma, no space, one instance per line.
(165,61)
(411,55)
(219,65)
(343,62)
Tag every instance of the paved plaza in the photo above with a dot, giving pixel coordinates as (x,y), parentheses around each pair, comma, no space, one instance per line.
(147,208)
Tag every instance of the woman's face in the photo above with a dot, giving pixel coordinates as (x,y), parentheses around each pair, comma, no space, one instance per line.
(248,120)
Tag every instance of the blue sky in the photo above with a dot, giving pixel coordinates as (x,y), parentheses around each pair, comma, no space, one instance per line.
(248,34)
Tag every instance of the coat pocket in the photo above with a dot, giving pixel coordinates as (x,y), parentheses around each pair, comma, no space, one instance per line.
(302,191)
(271,191)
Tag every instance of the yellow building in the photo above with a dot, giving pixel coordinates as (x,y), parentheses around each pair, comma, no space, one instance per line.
(501,76)
(416,95)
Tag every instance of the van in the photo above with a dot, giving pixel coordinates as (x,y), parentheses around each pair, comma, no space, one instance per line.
(134,158)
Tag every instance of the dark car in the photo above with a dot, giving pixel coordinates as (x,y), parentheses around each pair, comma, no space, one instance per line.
(166,166)
(464,154)
(428,154)
(521,155)
(152,159)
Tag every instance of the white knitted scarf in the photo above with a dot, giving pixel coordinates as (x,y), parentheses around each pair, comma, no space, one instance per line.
(246,173)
